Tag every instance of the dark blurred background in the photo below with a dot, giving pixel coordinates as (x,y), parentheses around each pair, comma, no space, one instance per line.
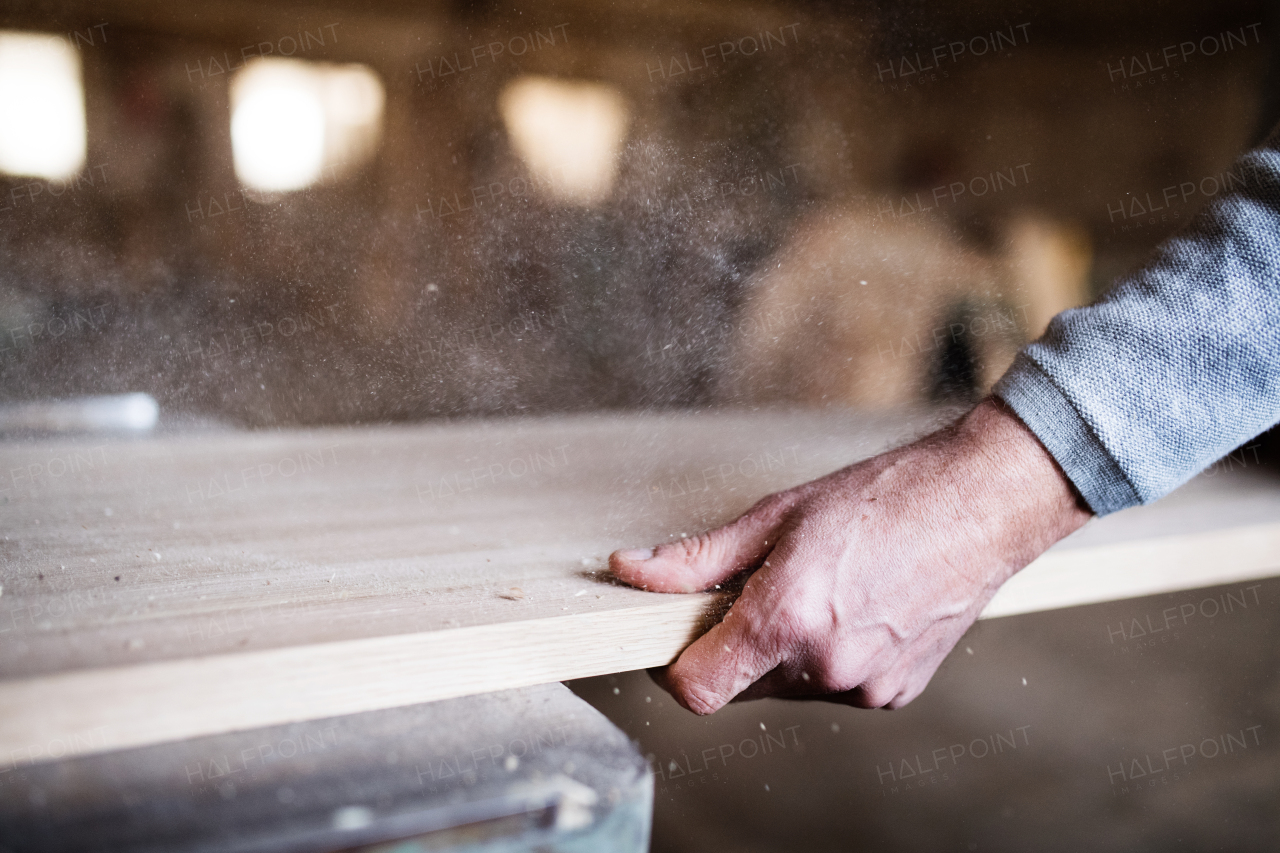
(296,213)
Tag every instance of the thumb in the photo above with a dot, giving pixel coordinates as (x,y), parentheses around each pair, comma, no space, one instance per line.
(702,561)
(737,652)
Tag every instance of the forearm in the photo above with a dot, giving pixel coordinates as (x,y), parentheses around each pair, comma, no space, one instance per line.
(1175,367)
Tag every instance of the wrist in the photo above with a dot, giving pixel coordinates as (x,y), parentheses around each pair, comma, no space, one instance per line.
(1028,498)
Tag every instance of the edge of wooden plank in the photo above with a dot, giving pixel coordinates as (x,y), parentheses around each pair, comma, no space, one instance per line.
(1074,576)
(45,718)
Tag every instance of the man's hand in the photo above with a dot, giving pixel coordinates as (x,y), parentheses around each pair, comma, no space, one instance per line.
(865,579)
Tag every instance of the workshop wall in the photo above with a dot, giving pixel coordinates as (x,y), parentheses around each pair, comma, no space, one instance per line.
(771,157)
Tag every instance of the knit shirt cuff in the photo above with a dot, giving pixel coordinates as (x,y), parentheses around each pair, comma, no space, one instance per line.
(1051,416)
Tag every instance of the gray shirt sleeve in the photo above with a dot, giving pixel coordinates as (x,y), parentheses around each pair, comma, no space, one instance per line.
(1177,365)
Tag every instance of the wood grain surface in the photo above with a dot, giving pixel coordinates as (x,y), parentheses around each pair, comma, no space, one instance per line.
(172,587)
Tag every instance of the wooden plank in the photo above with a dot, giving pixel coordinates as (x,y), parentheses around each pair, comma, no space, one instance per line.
(1075,576)
(232,692)
(162,589)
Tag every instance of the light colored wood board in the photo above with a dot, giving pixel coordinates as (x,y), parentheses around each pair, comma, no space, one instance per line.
(360,538)
(381,596)
(111,708)
(1222,527)
(1073,576)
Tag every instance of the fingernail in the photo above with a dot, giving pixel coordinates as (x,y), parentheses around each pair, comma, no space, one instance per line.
(636,554)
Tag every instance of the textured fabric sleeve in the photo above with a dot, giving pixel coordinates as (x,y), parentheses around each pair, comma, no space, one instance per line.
(1177,365)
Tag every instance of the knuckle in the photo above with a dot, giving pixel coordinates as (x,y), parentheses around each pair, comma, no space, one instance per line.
(696,547)
(687,550)
(902,700)
(785,628)
(758,631)
(914,687)
(772,508)
(826,678)
(798,623)
(829,670)
(876,694)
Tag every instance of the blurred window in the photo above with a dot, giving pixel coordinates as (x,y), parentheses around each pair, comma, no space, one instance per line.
(42,127)
(568,133)
(295,123)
